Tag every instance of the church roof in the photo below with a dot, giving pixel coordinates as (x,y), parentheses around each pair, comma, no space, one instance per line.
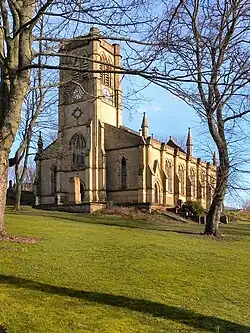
(127,129)
(173,144)
(51,144)
(80,40)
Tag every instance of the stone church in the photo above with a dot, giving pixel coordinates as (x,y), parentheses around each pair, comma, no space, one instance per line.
(96,159)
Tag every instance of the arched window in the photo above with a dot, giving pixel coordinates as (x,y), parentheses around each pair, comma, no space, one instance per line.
(181,174)
(169,172)
(53,171)
(101,67)
(156,193)
(82,191)
(84,65)
(105,68)
(77,145)
(203,185)
(193,183)
(123,173)
(108,74)
(78,61)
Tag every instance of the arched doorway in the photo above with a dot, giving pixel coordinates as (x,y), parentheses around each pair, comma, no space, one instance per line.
(82,191)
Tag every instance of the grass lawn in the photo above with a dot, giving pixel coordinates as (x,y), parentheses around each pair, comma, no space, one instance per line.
(93,273)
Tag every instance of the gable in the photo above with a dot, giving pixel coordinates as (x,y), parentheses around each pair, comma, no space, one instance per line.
(52,150)
(118,138)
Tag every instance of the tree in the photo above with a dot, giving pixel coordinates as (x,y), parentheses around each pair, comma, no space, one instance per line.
(202,56)
(19,53)
(196,50)
(36,103)
(246,205)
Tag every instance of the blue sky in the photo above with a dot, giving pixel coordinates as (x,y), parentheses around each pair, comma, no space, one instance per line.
(167,115)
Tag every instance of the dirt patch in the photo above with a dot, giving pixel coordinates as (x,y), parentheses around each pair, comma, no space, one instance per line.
(20,239)
(130,213)
(3,329)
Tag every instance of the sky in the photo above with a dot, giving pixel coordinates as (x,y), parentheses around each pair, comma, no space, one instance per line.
(167,116)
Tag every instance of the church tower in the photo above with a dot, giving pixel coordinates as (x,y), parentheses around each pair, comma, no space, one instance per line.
(89,96)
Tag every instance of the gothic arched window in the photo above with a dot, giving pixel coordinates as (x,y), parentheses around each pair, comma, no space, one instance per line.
(53,171)
(157,193)
(101,67)
(123,173)
(181,174)
(84,65)
(203,184)
(193,183)
(108,74)
(75,85)
(105,68)
(79,62)
(169,172)
(77,145)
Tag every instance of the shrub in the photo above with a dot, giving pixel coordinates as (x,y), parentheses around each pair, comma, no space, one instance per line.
(193,207)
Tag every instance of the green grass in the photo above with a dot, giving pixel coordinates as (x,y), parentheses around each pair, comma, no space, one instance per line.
(107,274)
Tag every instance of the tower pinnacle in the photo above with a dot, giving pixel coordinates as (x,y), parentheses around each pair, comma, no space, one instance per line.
(40,143)
(189,143)
(144,126)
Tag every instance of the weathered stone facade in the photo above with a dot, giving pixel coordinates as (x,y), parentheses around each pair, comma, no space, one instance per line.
(95,159)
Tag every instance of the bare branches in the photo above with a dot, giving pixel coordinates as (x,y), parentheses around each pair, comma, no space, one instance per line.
(206,63)
(99,37)
(5,19)
(30,24)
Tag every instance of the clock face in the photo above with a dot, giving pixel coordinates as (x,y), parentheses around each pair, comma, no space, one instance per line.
(106,93)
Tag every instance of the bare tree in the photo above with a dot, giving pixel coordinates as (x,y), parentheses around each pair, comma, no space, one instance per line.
(36,104)
(19,53)
(202,56)
(197,50)
(246,205)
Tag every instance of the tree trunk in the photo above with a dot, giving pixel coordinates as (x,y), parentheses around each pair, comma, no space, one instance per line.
(10,114)
(20,178)
(17,205)
(4,164)
(214,214)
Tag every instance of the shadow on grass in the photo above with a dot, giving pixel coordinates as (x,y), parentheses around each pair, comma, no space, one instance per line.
(187,317)
(135,224)
(237,230)
(147,225)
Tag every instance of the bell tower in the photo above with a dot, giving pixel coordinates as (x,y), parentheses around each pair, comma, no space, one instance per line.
(89,96)
(89,84)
